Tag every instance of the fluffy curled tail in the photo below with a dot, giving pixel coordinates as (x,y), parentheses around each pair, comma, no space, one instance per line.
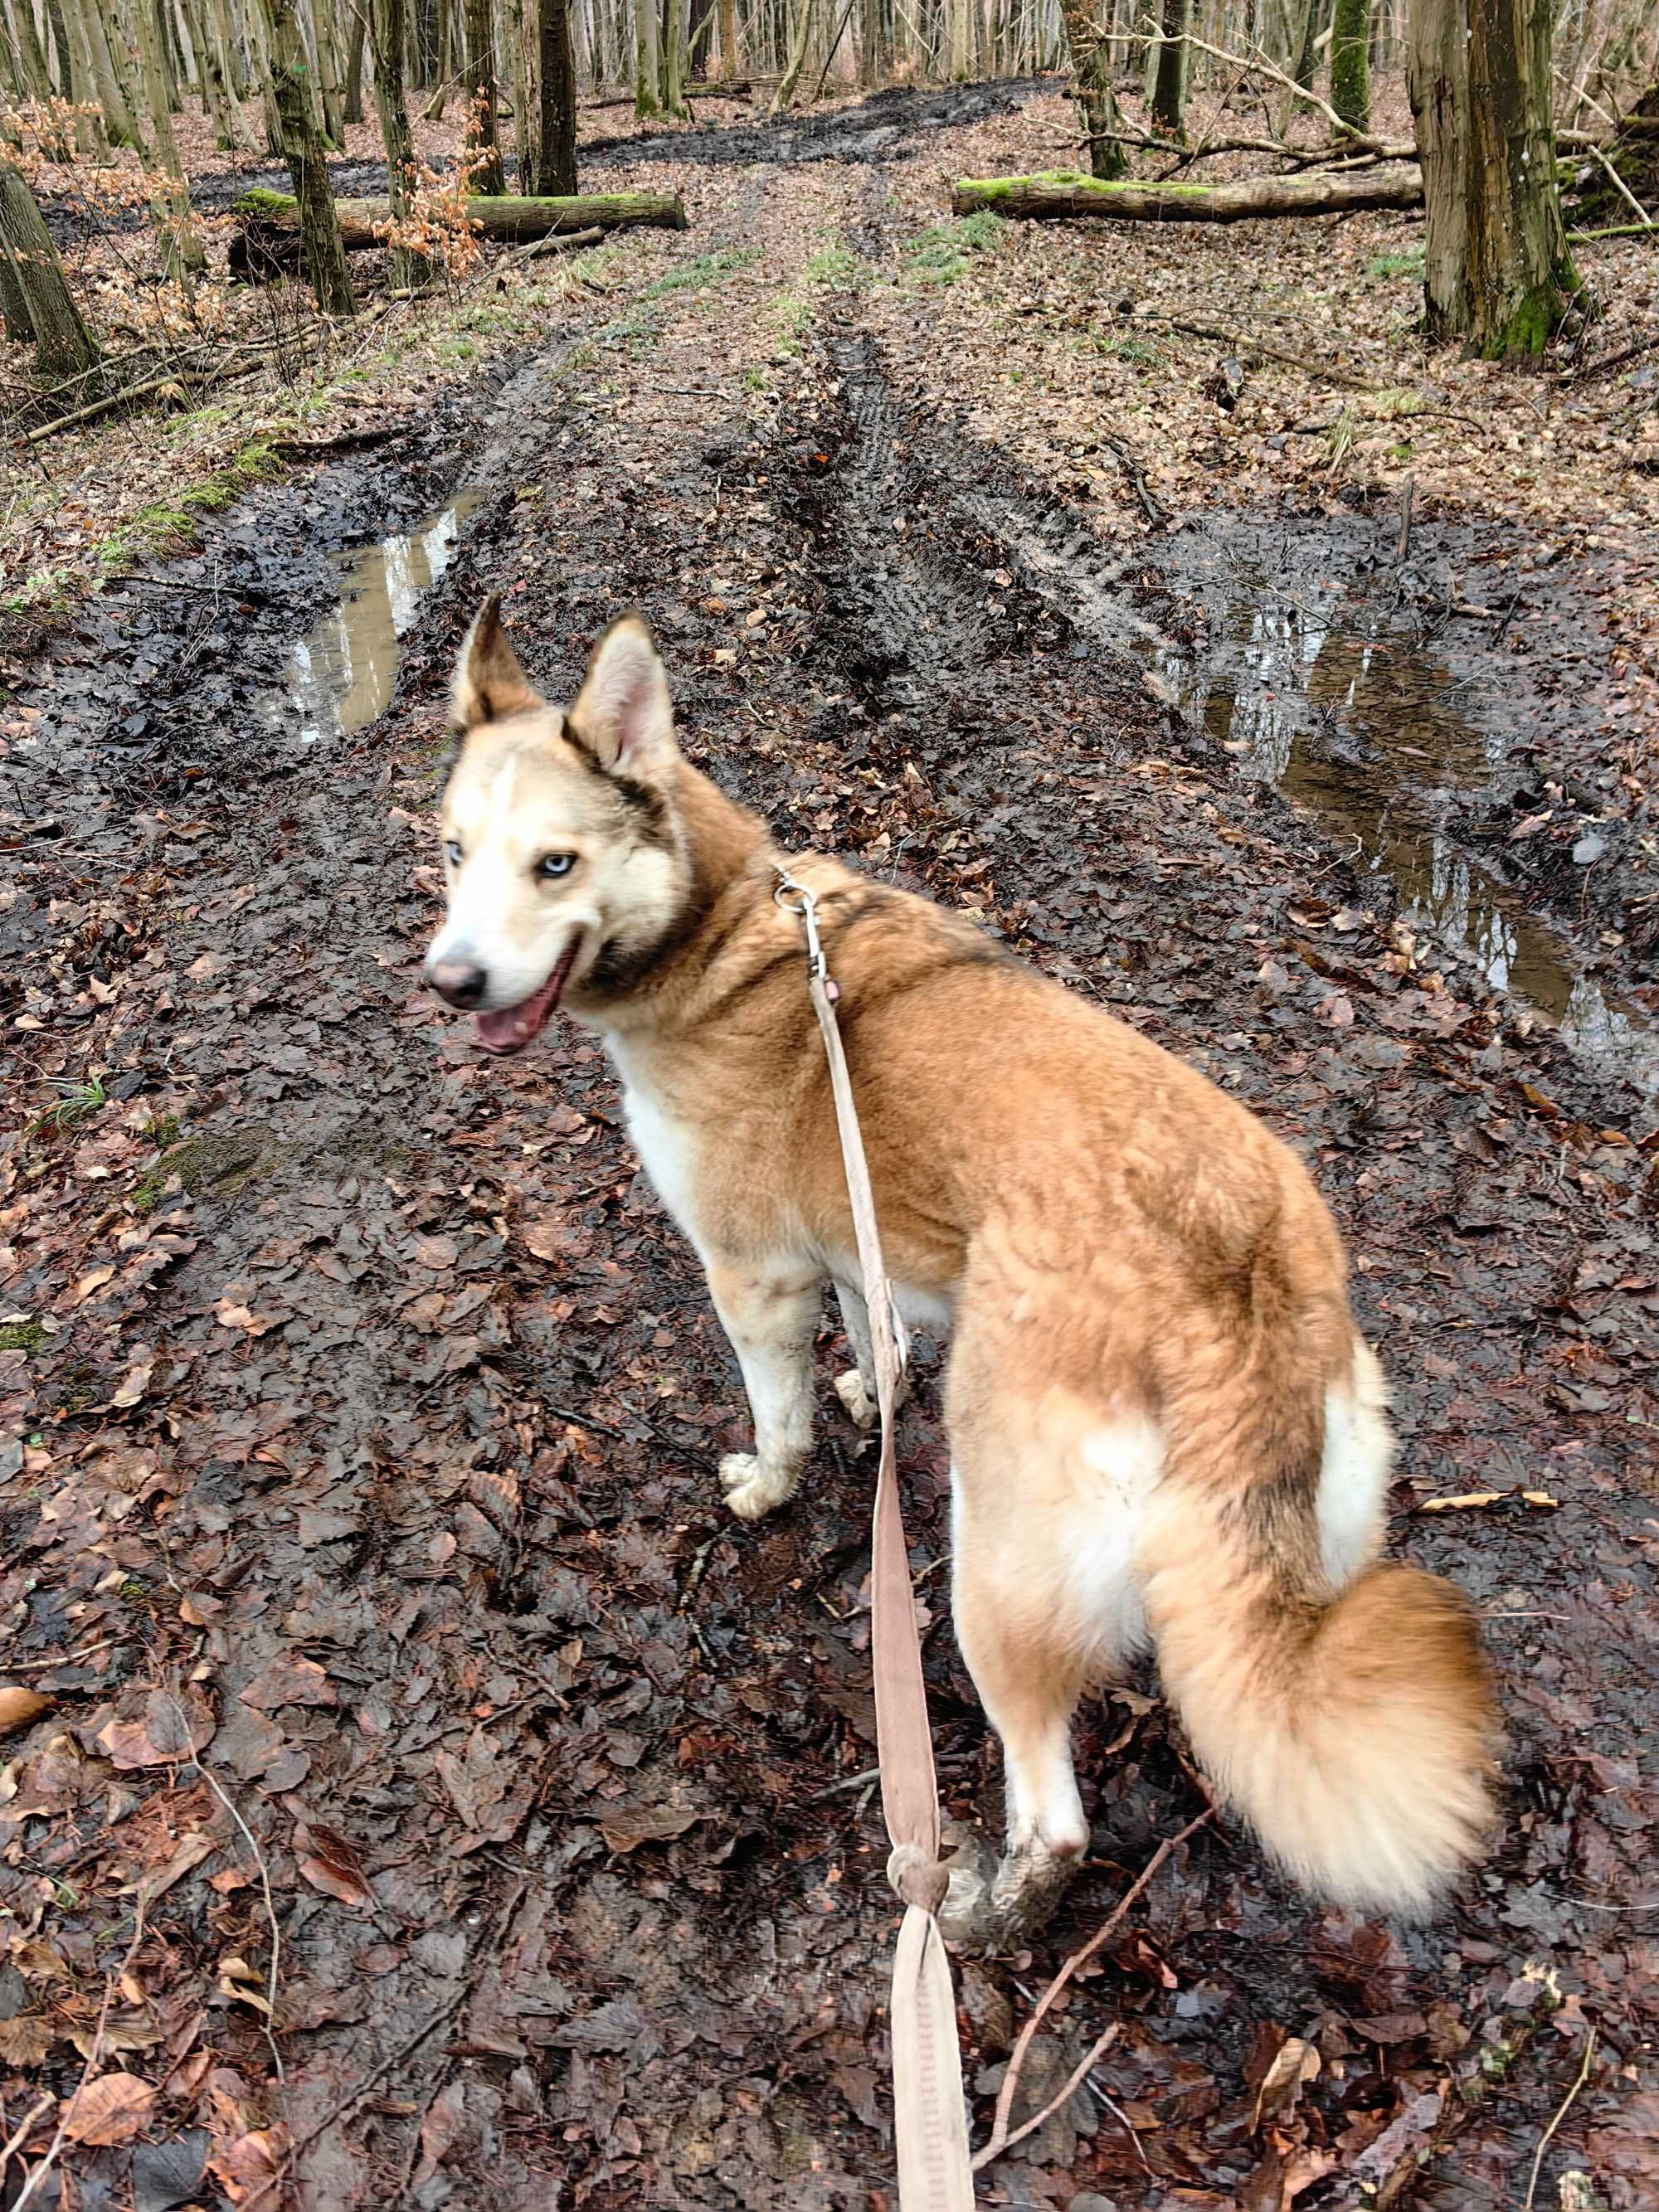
(1356,1737)
(1348,1715)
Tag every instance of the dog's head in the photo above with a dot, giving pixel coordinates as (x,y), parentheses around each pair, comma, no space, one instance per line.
(562,850)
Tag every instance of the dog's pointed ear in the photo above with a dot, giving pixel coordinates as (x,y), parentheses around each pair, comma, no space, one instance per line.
(623,714)
(490,683)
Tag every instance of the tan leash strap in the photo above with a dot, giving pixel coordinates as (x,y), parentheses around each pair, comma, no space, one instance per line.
(929,2111)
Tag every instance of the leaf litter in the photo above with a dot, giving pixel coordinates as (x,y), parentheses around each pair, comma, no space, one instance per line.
(467,1758)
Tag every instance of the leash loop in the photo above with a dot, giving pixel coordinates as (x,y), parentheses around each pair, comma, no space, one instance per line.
(929,2111)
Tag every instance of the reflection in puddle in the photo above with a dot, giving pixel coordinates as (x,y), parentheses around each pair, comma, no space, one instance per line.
(342,676)
(1373,735)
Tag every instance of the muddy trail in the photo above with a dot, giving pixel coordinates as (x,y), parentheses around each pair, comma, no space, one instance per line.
(887,126)
(498,1808)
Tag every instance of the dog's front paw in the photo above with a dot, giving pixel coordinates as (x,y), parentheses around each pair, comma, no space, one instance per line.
(857,1398)
(750,1489)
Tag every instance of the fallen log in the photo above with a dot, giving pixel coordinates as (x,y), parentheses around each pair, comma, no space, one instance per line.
(269,237)
(1067,192)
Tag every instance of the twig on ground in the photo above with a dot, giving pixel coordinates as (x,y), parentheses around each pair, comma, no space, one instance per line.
(89,2072)
(999,2136)
(260,2200)
(994,2149)
(1157,513)
(20,2134)
(1544,2140)
(72,1659)
(1621,187)
(1246,343)
(213,1785)
(1605,363)
(555,242)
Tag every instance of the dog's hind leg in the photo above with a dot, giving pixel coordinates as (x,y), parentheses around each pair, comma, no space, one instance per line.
(1028,1672)
(856,1388)
(771,1318)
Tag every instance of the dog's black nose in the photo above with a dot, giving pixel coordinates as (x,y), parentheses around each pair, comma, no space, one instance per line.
(463,983)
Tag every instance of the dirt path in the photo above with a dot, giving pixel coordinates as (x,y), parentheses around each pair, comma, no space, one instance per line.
(364,1402)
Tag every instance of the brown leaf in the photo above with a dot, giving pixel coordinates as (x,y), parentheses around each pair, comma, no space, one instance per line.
(192,1849)
(25,2041)
(19,1707)
(1294,2062)
(629,1825)
(290,1680)
(331,1865)
(163,1729)
(111,2110)
(1467,1503)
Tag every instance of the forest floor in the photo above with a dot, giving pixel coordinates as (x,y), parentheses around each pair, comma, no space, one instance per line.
(436,1798)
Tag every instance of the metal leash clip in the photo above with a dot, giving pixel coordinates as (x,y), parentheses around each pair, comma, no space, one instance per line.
(804,904)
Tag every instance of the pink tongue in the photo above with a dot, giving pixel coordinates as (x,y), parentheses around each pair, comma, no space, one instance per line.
(516,1025)
(512,1025)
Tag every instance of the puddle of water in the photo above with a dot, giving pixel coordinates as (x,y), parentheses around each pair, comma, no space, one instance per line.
(342,674)
(1374,735)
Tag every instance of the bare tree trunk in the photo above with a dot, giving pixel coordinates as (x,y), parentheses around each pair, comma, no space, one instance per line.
(557,150)
(1313,29)
(356,40)
(111,96)
(1498,271)
(875,49)
(302,146)
(1168,101)
(182,251)
(330,70)
(648,57)
(481,139)
(797,58)
(63,344)
(216,92)
(1091,66)
(90,137)
(1351,84)
(386,29)
(674,59)
(525,113)
(725,30)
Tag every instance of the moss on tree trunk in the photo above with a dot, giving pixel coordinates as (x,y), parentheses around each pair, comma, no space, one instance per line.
(1066,192)
(1351,81)
(1497,273)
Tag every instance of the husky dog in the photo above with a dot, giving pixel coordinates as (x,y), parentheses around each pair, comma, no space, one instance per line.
(1165,1428)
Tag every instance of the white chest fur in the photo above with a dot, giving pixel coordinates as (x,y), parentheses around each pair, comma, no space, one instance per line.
(666,1146)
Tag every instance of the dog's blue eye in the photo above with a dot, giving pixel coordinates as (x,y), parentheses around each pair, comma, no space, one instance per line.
(556,864)
(452,853)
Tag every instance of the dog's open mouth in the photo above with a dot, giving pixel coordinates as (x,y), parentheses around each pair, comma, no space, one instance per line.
(513,1027)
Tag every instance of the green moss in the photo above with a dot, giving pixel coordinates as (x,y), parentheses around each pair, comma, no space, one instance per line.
(940,254)
(1527,333)
(701,270)
(1409,264)
(834,264)
(22,1336)
(160,528)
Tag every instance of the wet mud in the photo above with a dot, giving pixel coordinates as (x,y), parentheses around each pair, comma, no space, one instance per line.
(378,1466)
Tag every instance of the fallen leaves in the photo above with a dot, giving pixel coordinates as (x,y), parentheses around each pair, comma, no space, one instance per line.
(113,2108)
(18,1707)
(155,1727)
(331,1865)
(290,1680)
